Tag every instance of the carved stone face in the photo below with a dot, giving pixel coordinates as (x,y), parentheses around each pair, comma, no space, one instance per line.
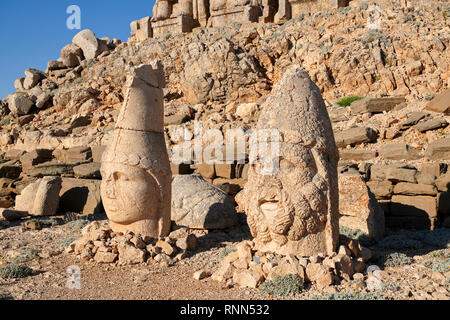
(129,194)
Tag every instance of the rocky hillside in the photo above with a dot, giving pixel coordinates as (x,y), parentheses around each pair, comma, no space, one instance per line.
(211,71)
(221,76)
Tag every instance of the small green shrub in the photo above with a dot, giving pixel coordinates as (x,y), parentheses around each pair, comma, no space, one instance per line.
(441,265)
(77,225)
(358,235)
(5,121)
(400,241)
(345,102)
(286,285)
(223,253)
(394,259)
(15,271)
(348,296)
(436,238)
(65,242)
(441,254)
(27,255)
(46,222)
(363,5)
(430,96)
(389,287)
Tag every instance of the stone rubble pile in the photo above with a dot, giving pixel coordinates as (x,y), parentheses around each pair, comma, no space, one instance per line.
(98,243)
(246,267)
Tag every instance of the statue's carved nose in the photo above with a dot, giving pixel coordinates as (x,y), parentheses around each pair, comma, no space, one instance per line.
(110,190)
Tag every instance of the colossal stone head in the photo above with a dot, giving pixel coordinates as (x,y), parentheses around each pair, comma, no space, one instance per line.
(136,175)
(294,210)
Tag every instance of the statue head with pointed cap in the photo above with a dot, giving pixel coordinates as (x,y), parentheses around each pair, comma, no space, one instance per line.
(136,176)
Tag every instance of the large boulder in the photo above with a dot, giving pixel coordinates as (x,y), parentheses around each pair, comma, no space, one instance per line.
(19,103)
(89,43)
(33,76)
(72,55)
(200,205)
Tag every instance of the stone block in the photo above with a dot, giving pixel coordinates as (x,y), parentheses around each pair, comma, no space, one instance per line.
(181,168)
(440,103)
(73,155)
(399,151)
(223,17)
(355,136)
(381,189)
(412,189)
(375,105)
(225,170)
(80,196)
(358,207)
(358,154)
(418,206)
(36,157)
(439,149)
(179,24)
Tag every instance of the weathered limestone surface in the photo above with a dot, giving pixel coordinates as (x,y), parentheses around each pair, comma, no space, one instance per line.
(80,196)
(295,209)
(358,207)
(136,185)
(40,198)
(199,205)
(441,103)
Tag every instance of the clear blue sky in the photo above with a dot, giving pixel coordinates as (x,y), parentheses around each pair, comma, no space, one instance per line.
(34,32)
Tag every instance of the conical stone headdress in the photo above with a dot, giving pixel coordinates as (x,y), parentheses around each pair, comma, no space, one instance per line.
(138,138)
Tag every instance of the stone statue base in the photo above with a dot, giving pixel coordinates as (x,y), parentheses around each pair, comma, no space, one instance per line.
(242,15)
(144,227)
(179,24)
(310,245)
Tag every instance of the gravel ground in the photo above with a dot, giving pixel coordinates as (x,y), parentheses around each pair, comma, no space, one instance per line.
(151,281)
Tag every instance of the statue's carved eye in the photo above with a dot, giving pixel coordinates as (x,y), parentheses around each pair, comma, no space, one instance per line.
(120,176)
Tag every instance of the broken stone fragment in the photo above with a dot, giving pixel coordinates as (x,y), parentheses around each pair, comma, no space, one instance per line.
(105,257)
(88,42)
(19,103)
(355,136)
(129,254)
(440,103)
(12,215)
(40,198)
(247,278)
(201,274)
(188,243)
(165,247)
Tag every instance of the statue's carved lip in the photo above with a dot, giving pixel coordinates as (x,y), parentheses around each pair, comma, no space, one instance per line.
(112,208)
